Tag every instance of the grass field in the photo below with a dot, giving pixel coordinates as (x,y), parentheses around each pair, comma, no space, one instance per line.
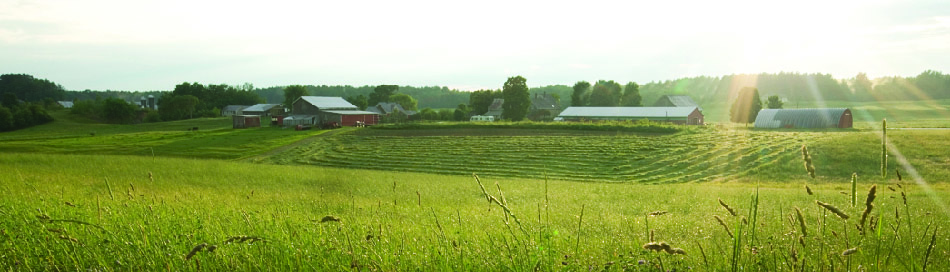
(928,113)
(133,213)
(159,197)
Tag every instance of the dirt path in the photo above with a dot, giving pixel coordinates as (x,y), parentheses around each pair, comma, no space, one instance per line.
(304,141)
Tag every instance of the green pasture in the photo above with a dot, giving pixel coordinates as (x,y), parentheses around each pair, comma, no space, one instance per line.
(108,212)
(922,113)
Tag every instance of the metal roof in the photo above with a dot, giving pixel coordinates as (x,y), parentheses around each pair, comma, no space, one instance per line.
(298,117)
(628,112)
(261,107)
(676,101)
(800,118)
(234,107)
(329,102)
(350,112)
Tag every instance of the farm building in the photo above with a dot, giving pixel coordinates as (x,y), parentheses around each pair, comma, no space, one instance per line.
(678,115)
(543,107)
(804,118)
(326,109)
(246,121)
(66,104)
(495,109)
(232,110)
(266,110)
(387,108)
(676,101)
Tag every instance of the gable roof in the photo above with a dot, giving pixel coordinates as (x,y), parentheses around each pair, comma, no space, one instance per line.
(544,102)
(629,112)
(328,102)
(676,101)
(800,118)
(261,107)
(234,107)
(495,109)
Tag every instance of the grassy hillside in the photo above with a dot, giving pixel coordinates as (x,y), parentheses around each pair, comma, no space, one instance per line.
(926,113)
(139,213)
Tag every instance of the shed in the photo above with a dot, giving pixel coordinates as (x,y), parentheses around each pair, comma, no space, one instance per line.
(246,121)
(676,101)
(66,104)
(543,107)
(678,115)
(804,118)
(350,117)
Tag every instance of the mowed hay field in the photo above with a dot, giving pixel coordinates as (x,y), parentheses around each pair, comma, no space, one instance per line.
(135,213)
(700,155)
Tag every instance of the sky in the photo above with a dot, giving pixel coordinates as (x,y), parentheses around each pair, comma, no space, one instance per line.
(155,45)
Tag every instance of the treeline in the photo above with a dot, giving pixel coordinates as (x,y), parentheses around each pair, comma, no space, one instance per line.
(24,100)
(427,96)
(190,100)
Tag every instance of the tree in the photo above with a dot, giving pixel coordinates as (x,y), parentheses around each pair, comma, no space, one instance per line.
(461,112)
(580,89)
(382,93)
(30,89)
(517,100)
(117,111)
(407,102)
(9,100)
(481,100)
(177,107)
(359,101)
(605,94)
(746,106)
(774,102)
(292,93)
(631,95)
(862,87)
(6,119)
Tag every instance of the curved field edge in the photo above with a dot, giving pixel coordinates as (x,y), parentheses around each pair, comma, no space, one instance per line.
(707,155)
(134,213)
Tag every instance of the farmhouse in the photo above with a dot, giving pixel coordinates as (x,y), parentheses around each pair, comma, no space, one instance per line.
(678,115)
(543,107)
(321,110)
(232,110)
(804,118)
(676,101)
(387,108)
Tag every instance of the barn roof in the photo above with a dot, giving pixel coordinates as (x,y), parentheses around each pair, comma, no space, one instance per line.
(261,107)
(234,107)
(329,102)
(628,112)
(543,102)
(350,112)
(676,101)
(800,118)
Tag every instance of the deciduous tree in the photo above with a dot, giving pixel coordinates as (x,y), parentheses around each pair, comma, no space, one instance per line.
(631,95)
(746,107)
(517,100)
(579,94)
(292,93)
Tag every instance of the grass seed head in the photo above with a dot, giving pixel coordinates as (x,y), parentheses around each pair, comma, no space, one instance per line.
(832,209)
(849,251)
(808,189)
(329,218)
(801,221)
(195,250)
(724,205)
(723,224)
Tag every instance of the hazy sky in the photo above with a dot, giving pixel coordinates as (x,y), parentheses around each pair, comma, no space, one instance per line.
(154,45)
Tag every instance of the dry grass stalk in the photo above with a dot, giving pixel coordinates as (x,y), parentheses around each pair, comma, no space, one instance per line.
(723,224)
(195,250)
(868,206)
(809,167)
(329,218)
(662,246)
(724,205)
(899,177)
(832,209)
(801,221)
(657,213)
(808,189)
